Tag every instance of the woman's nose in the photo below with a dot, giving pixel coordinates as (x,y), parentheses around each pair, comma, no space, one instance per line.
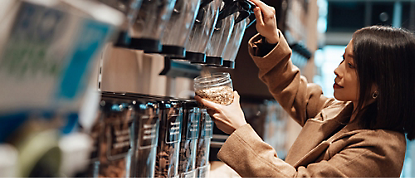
(336,72)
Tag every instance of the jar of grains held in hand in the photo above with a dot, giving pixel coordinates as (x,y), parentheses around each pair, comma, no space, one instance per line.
(216,87)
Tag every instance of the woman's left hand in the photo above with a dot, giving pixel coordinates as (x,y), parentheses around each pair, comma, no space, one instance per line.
(227,118)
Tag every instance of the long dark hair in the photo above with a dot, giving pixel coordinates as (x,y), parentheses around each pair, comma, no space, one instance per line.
(385,57)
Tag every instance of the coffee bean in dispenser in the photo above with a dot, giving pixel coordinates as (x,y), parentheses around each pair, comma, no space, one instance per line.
(147,132)
(168,148)
(188,143)
(116,143)
(203,145)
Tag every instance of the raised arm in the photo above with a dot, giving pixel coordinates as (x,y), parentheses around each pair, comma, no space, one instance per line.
(302,100)
(271,53)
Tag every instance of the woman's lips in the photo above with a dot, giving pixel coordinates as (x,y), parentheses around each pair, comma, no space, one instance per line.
(336,86)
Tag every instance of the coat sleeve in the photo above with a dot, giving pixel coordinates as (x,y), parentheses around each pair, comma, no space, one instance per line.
(299,98)
(371,154)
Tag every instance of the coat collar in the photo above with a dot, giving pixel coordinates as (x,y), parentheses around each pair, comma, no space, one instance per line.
(318,133)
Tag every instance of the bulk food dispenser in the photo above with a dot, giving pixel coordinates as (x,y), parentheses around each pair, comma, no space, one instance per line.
(244,17)
(116,137)
(178,28)
(188,143)
(168,137)
(129,8)
(148,27)
(125,137)
(167,158)
(221,34)
(202,30)
(146,136)
(224,34)
(203,144)
(146,126)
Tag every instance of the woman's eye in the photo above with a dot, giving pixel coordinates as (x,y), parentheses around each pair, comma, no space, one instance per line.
(350,65)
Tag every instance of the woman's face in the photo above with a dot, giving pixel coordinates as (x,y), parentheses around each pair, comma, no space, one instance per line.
(346,84)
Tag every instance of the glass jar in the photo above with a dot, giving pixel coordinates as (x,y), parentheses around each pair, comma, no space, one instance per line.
(216,87)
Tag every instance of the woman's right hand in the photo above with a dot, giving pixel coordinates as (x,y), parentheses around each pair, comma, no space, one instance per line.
(266,23)
(227,118)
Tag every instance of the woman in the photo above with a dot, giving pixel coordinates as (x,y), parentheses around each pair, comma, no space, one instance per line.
(361,133)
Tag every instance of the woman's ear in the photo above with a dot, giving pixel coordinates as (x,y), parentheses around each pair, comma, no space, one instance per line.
(374,92)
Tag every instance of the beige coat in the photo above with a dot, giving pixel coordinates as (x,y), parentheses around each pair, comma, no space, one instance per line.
(326,146)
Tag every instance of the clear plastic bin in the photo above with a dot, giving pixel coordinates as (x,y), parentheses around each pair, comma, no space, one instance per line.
(117,137)
(129,8)
(188,143)
(150,22)
(203,145)
(177,31)
(234,43)
(244,17)
(221,36)
(147,132)
(202,30)
(167,158)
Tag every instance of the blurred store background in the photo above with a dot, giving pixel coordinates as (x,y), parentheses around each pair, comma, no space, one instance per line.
(87,85)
